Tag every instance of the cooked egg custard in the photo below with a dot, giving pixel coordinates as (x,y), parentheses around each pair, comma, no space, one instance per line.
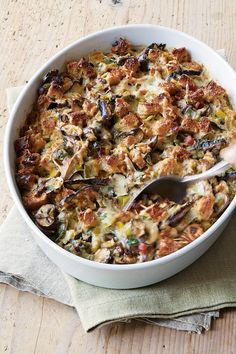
(110,123)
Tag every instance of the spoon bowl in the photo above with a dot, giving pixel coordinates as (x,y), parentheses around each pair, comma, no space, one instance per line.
(175,188)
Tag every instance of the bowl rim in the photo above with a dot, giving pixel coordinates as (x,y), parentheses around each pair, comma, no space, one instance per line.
(10,175)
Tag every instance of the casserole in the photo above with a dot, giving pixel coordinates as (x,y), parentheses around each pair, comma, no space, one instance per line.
(116,276)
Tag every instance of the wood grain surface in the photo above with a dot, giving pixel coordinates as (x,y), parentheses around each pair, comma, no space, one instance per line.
(31,32)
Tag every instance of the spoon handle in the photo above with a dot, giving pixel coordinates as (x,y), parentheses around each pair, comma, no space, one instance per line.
(219,168)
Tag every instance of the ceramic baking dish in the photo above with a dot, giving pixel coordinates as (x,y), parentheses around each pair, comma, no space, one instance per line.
(110,275)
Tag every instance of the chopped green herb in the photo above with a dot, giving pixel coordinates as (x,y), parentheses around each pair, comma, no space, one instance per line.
(133,241)
(110,60)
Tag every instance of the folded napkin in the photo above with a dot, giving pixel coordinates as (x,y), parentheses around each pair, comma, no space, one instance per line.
(207,285)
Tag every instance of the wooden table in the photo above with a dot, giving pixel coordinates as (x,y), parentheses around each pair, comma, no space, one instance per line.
(31,32)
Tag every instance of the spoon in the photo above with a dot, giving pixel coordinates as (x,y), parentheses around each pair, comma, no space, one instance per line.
(175,188)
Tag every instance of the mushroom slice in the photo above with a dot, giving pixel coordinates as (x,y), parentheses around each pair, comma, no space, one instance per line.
(71,196)
(52,75)
(71,130)
(229,175)
(70,164)
(222,201)
(191,72)
(143,58)
(53,184)
(133,131)
(208,144)
(179,214)
(104,109)
(46,216)
(76,180)
(102,255)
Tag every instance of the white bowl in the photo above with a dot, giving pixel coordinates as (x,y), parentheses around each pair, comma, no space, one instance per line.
(109,275)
